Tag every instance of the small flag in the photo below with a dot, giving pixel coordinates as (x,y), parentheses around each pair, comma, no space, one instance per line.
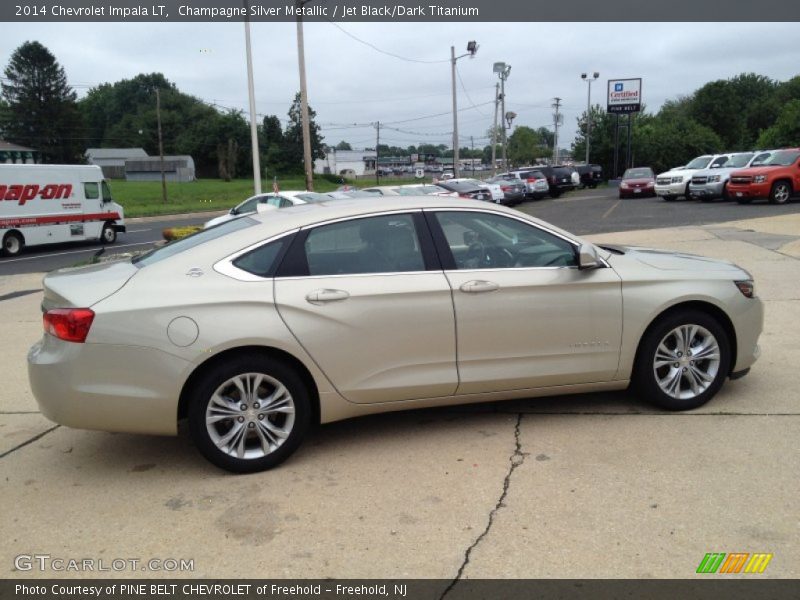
(275,188)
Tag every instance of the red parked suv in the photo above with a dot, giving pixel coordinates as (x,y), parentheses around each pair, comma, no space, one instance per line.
(778,179)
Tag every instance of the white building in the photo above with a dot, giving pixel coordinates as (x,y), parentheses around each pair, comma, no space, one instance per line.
(348,163)
(112,160)
(176,168)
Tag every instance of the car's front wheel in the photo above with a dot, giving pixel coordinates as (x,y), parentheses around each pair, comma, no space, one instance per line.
(780,193)
(249,414)
(683,360)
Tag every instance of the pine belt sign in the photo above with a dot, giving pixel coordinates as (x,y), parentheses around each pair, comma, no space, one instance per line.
(624,95)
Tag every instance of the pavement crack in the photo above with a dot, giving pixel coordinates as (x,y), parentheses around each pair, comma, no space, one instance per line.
(515,460)
(30,441)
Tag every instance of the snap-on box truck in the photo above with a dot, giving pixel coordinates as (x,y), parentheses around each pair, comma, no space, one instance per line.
(51,204)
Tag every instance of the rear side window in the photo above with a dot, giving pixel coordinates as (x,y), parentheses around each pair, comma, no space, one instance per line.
(385,244)
(91,191)
(261,261)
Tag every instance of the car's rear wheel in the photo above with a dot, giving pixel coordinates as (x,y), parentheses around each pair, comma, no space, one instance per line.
(683,360)
(13,243)
(249,414)
(780,193)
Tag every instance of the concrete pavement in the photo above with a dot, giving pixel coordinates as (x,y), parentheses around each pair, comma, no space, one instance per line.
(584,486)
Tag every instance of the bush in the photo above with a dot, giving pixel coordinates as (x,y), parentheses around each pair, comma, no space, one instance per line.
(176,233)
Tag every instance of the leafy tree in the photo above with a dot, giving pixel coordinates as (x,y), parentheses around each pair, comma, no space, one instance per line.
(523,146)
(343,146)
(40,107)
(786,130)
(271,146)
(293,138)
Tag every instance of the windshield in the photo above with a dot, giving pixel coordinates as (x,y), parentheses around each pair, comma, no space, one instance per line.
(738,161)
(783,158)
(201,237)
(701,162)
(639,173)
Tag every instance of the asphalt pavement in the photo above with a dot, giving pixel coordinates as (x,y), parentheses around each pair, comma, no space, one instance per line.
(141,235)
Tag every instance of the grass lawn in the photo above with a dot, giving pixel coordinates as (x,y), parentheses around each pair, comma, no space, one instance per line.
(143,198)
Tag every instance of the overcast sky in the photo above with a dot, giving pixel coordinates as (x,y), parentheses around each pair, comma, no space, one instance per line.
(352,83)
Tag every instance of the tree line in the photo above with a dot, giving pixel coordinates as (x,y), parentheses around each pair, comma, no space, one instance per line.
(746,112)
(39,109)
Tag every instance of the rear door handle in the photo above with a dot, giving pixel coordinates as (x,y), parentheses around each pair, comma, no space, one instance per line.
(326,295)
(479,286)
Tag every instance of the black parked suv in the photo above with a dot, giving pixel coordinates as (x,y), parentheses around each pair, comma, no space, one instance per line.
(591,175)
(558,178)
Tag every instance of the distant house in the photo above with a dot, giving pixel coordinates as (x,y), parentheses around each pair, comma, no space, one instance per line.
(176,168)
(15,154)
(348,163)
(112,160)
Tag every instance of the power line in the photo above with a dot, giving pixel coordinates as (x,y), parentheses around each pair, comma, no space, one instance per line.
(466,93)
(387,53)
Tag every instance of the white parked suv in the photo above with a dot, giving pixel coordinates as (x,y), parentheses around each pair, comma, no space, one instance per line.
(674,183)
(712,183)
(279,200)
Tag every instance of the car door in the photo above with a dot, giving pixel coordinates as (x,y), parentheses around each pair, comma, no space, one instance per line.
(368,301)
(526,316)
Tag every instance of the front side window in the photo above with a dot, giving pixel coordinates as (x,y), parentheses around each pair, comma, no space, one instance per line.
(485,241)
(91,191)
(384,244)
(106,192)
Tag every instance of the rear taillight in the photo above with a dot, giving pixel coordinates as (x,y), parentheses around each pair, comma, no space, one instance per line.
(68,324)
(531,180)
(506,188)
(465,196)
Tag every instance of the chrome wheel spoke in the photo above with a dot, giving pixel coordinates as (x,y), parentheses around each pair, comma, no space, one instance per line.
(251,425)
(686,362)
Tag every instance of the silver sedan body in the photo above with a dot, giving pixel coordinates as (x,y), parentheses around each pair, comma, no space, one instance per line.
(327,311)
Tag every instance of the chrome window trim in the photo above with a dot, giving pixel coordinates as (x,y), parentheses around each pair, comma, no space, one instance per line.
(227,268)
(402,211)
(337,275)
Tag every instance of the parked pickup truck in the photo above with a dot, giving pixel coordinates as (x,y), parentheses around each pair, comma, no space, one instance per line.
(777,180)
(710,184)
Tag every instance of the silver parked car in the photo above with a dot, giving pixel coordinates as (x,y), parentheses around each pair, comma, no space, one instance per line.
(257,327)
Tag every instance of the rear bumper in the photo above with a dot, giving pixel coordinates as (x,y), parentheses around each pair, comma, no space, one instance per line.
(102,386)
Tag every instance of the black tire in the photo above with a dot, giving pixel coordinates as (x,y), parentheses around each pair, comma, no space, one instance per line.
(645,373)
(218,376)
(687,194)
(13,243)
(726,197)
(780,193)
(108,235)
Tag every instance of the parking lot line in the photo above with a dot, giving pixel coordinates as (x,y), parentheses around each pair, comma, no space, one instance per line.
(71,252)
(609,211)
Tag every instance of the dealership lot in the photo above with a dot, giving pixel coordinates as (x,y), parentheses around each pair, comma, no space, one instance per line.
(534,488)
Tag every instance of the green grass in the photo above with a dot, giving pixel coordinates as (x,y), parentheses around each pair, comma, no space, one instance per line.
(143,198)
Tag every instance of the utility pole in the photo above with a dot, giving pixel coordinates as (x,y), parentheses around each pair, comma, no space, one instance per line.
(455,111)
(252,94)
(589,80)
(161,147)
(377,152)
(309,167)
(472,158)
(556,117)
(494,128)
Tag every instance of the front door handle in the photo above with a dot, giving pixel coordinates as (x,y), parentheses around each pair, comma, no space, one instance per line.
(326,295)
(479,286)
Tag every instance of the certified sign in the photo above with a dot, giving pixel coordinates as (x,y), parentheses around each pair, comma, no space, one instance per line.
(419,173)
(624,95)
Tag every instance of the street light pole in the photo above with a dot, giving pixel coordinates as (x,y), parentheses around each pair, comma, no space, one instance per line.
(301,59)
(455,111)
(588,80)
(494,128)
(161,147)
(472,48)
(503,70)
(252,97)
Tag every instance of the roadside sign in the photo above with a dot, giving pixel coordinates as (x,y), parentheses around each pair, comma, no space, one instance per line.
(624,95)
(419,173)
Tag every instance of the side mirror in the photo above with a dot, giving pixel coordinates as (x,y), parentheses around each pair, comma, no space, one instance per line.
(587,257)
(234,211)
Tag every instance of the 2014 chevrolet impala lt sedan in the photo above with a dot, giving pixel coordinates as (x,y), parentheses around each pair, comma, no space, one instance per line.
(258,327)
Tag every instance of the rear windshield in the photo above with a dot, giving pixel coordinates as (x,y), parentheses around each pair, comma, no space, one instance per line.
(639,173)
(201,237)
(562,171)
